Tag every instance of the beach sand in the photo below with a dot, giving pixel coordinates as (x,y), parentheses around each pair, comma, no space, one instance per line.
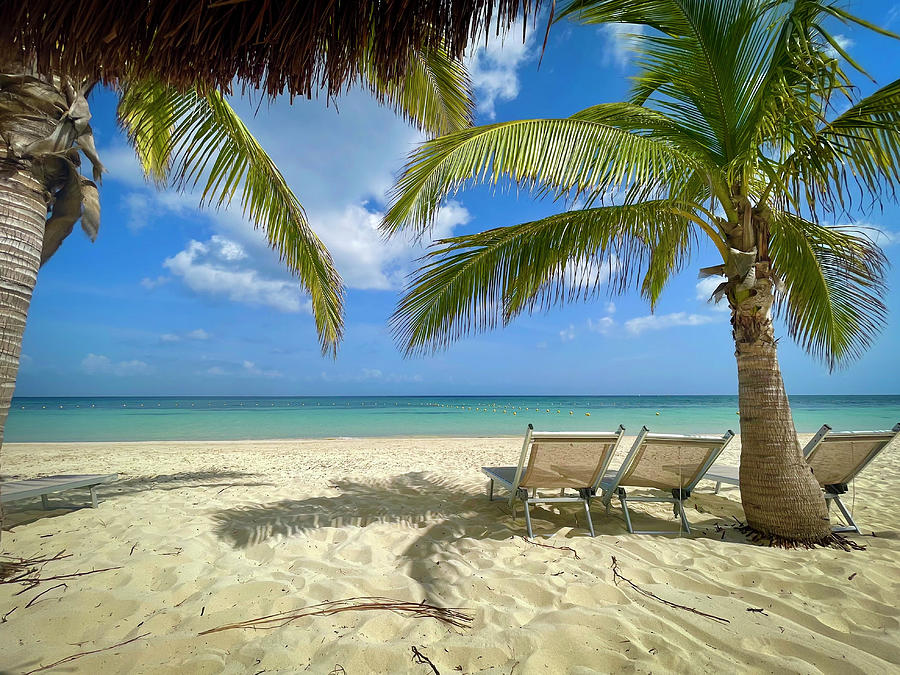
(206,534)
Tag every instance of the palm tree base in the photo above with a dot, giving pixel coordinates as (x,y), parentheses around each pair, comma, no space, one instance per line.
(831,540)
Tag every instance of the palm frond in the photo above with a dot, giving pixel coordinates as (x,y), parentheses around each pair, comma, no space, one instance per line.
(563,157)
(191,139)
(435,92)
(859,149)
(834,286)
(472,283)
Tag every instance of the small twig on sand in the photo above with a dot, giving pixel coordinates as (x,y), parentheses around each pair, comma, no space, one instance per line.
(558,548)
(337,670)
(850,578)
(758,610)
(419,657)
(13,570)
(456,617)
(3,618)
(34,581)
(617,576)
(80,654)
(31,602)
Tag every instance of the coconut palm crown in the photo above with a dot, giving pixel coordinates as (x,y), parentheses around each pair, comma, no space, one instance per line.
(732,134)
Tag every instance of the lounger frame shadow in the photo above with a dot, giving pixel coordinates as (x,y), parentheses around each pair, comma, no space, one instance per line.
(518,493)
(612,487)
(833,491)
(41,487)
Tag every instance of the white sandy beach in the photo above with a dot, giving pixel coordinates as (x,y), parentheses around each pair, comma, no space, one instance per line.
(211,533)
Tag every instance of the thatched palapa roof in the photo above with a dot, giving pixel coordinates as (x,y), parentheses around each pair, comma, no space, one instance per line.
(282,46)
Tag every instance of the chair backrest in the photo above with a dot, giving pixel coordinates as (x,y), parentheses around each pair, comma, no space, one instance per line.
(670,461)
(840,455)
(566,459)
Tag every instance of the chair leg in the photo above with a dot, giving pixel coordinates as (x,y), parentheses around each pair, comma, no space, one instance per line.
(587,514)
(623,500)
(93,497)
(853,527)
(718,485)
(491,490)
(684,520)
(44,504)
(528,521)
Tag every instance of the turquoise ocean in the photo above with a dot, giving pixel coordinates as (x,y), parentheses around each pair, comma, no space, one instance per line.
(236,418)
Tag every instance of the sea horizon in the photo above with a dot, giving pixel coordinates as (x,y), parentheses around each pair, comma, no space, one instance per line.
(228,418)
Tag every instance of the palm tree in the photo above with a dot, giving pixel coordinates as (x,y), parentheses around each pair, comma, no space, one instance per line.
(184,138)
(731,135)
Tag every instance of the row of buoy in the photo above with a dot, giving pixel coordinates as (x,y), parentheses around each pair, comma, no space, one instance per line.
(493,407)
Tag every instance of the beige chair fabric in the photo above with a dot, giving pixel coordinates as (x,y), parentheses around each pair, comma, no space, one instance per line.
(555,460)
(669,462)
(842,455)
(560,462)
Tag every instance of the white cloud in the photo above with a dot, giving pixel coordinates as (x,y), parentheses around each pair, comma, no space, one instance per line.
(494,66)
(618,40)
(638,325)
(567,334)
(227,250)
(879,236)
(251,368)
(363,257)
(138,206)
(705,288)
(215,370)
(208,269)
(98,364)
(603,325)
(150,284)
(198,334)
(611,308)
(844,43)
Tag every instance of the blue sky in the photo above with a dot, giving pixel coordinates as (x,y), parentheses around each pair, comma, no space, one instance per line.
(172,300)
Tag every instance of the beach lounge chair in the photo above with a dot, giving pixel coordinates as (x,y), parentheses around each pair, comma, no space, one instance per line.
(836,458)
(556,460)
(673,463)
(34,487)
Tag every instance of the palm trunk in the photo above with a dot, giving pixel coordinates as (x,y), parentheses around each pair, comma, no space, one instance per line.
(23,210)
(24,199)
(780,495)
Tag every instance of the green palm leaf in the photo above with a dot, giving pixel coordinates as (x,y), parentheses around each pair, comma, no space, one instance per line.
(435,93)
(192,139)
(563,157)
(474,282)
(834,286)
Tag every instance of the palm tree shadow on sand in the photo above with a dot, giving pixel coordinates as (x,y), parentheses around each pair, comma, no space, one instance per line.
(448,512)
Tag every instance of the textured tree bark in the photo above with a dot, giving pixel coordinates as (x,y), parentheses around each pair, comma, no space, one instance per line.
(780,495)
(23,212)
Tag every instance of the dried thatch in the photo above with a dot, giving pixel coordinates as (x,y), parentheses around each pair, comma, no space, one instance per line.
(282,46)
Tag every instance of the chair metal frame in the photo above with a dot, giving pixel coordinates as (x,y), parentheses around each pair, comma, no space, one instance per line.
(584,495)
(613,487)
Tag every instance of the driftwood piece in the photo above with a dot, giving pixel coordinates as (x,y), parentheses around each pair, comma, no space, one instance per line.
(558,548)
(71,658)
(617,576)
(419,657)
(459,618)
(32,601)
